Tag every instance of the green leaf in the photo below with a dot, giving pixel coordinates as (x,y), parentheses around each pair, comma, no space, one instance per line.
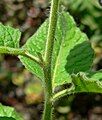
(74,52)
(35,45)
(8,113)
(9,37)
(6,118)
(83,83)
(70,43)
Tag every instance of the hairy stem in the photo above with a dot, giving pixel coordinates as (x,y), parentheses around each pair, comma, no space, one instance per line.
(47,115)
(63,93)
(34,58)
(11,51)
(18,51)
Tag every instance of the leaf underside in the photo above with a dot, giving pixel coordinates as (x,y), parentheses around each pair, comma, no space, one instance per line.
(72,50)
(8,113)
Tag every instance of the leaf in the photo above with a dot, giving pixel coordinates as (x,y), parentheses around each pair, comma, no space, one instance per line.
(6,118)
(74,52)
(68,40)
(35,45)
(8,113)
(9,37)
(83,83)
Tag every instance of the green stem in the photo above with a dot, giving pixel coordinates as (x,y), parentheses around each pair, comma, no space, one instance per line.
(34,58)
(47,115)
(63,93)
(11,51)
(17,51)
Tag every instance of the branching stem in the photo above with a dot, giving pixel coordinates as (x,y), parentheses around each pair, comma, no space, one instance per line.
(18,51)
(47,115)
(34,58)
(63,93)
(11,51)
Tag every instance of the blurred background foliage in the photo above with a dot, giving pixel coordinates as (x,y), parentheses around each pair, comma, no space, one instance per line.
(21,89)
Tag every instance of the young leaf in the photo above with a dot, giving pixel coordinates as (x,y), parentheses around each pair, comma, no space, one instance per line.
(9,37)
(83,83)
(8,113)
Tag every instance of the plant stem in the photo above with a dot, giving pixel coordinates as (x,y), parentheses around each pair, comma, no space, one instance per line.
(18,51)
(47,115)
(34,58)
(12,51)
(63,93)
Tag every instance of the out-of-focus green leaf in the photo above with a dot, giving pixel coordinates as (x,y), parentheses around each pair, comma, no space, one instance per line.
(6,118)
(8,113)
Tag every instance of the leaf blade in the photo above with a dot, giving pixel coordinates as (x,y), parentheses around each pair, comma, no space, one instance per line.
(7,112)
(83,83)
(9,37)
(72,38)
(35,45)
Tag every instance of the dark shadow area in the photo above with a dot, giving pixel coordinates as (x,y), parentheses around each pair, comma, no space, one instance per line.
(79,58)
(6,118)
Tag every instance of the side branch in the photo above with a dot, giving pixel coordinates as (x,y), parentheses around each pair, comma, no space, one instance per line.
(63,93)
(34,58)
(11,51)
(18,51)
